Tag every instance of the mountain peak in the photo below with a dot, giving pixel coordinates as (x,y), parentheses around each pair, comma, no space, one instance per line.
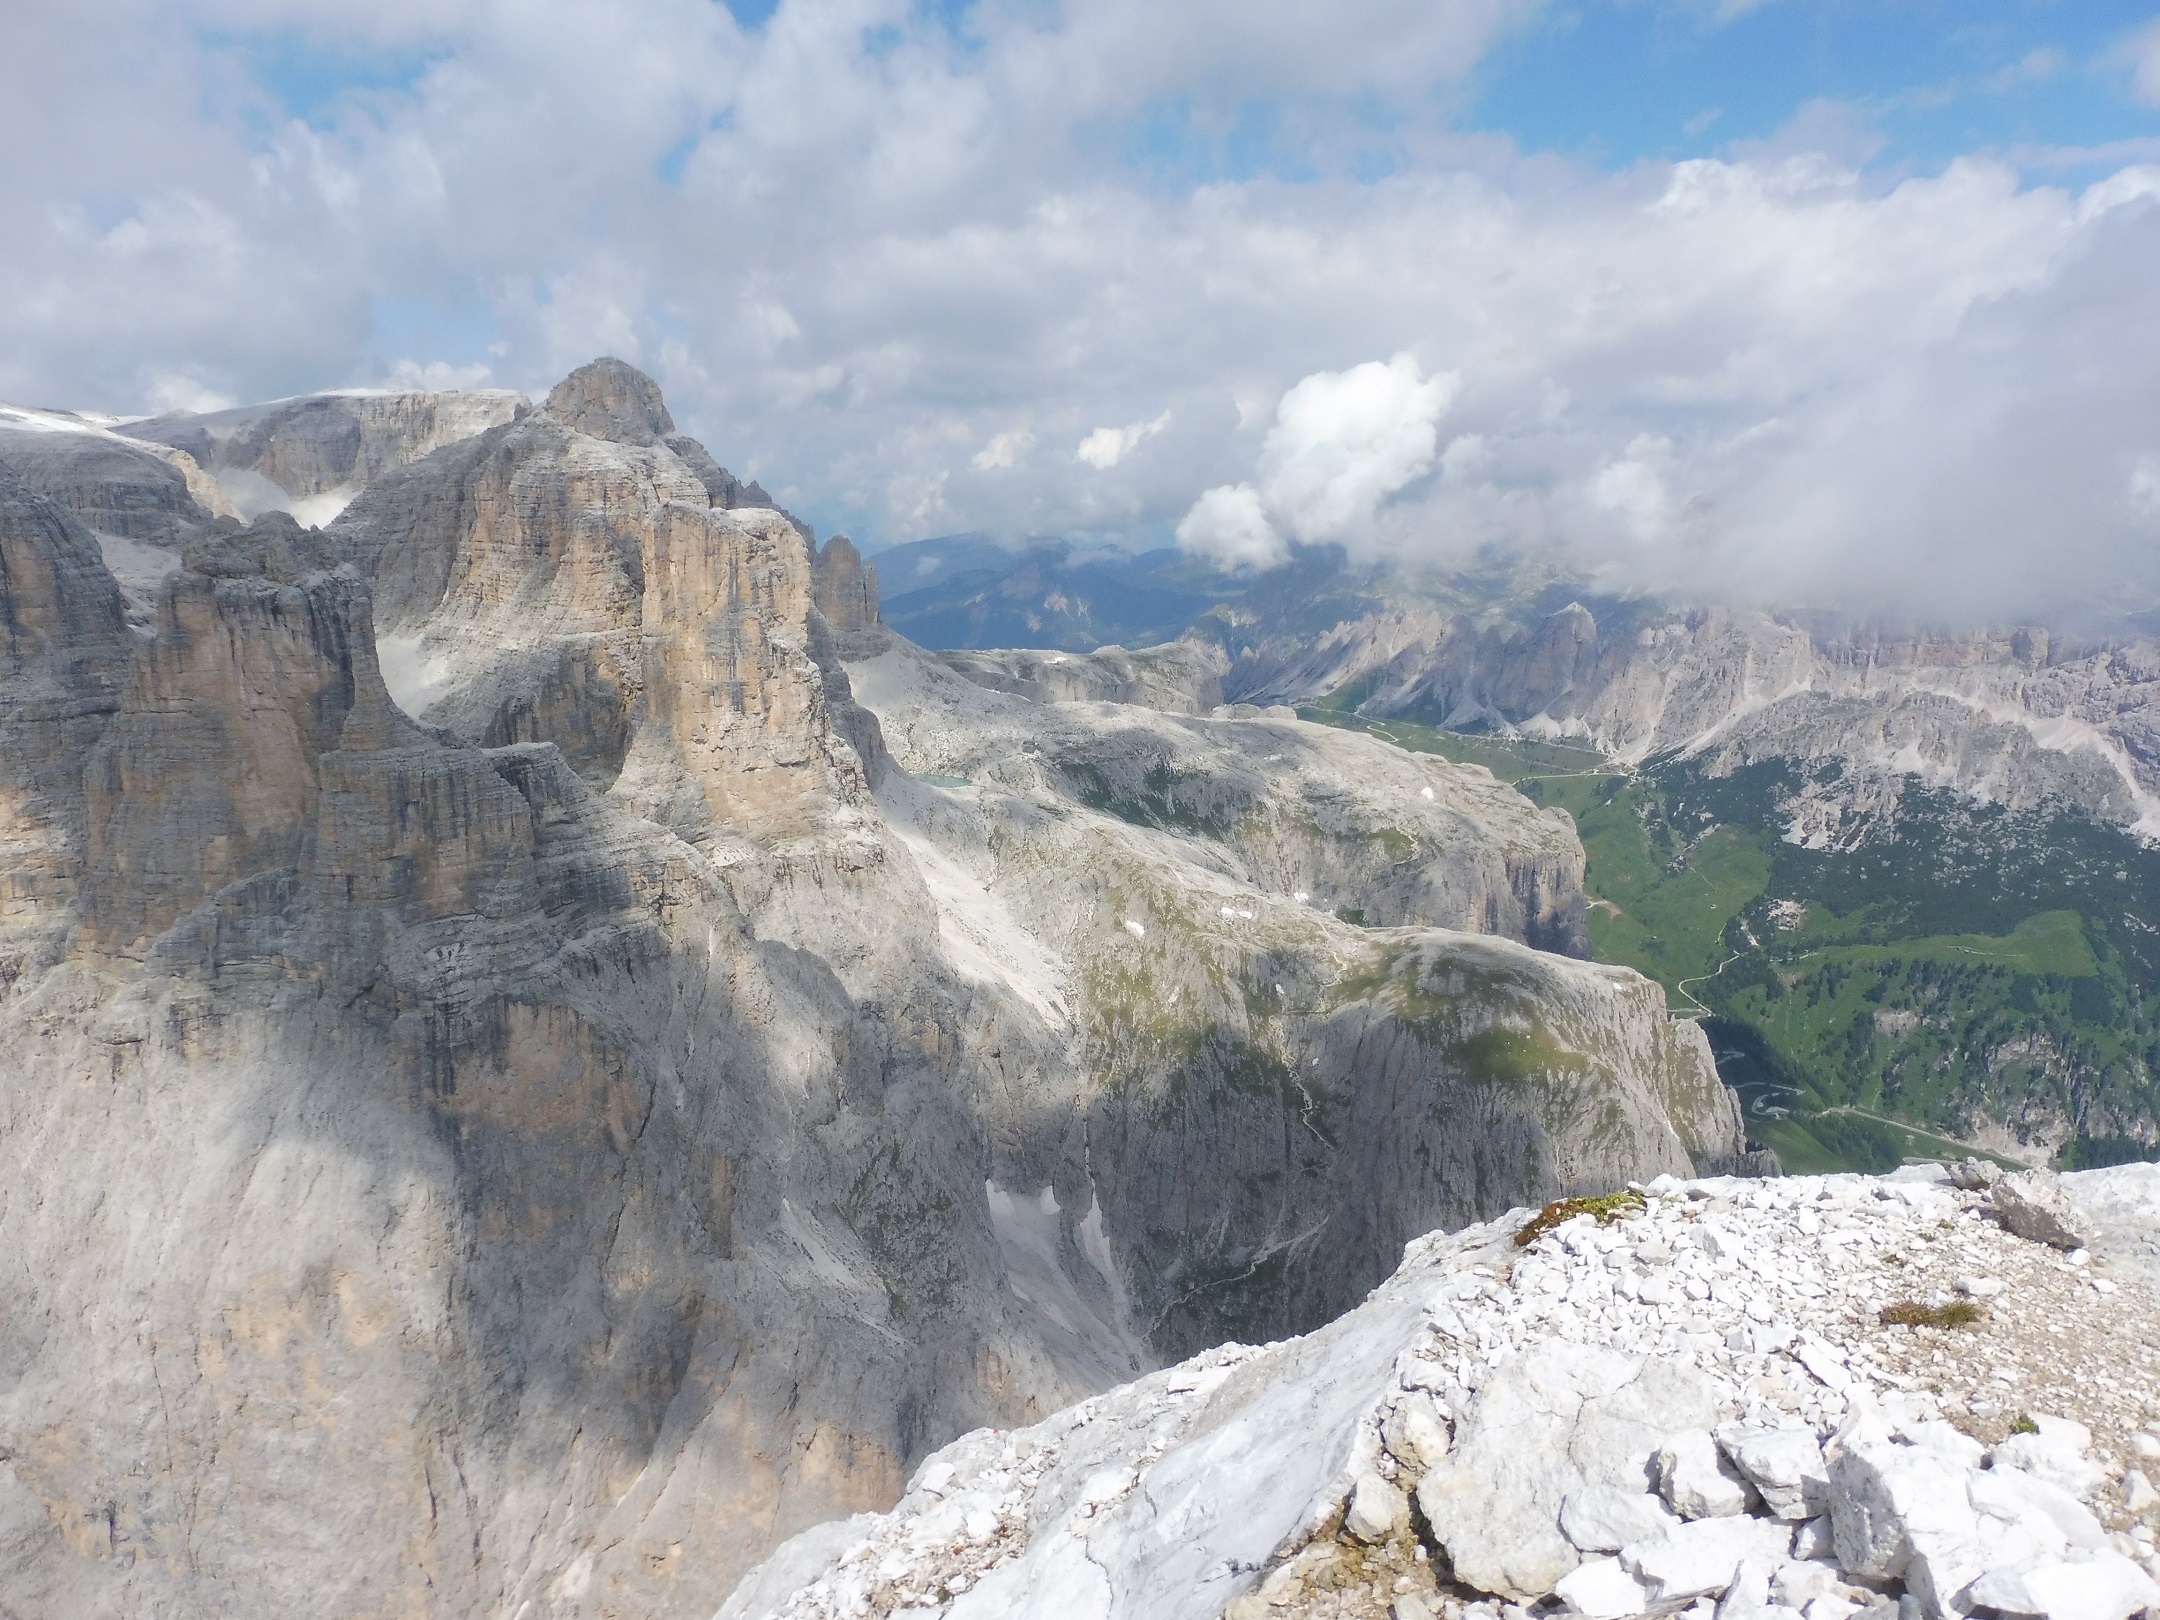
(611,399)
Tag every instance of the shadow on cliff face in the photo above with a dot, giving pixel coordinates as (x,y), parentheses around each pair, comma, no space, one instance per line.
(631,1252)
(1259,1164)
(482,1139)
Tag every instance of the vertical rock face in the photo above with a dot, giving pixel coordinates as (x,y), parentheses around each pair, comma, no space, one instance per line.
(846,590)
(64,648)
(487,1214)
(262,664)
(735,700)
(525,1112)
(59,609)
(549,583)
(1271,1098)
(1472,1066)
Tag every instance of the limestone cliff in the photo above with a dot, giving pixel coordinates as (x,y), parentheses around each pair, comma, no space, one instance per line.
(1339,1083)
(447,1203)
(1342,823)
(524,1120)
(846,589)
(140,501)
(113,485)
(566,578)
(64,651)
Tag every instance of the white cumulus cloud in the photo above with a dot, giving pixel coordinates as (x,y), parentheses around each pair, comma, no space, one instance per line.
(1003,449)
(1633,487)
(2145,485)
(1342,443)
(1107,446)
(176,391)
(1228,524)
(2143,50)
(437,376)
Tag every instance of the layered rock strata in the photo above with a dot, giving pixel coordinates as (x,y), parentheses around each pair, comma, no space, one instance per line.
(524,1119)
(147,488)
(1701,1399)
(475,1240)
(64,654)
(1349,1086)
(846,590)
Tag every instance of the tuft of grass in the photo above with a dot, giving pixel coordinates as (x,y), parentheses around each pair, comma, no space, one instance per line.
(1959,1313)
(1607,1207)
(2024,1425)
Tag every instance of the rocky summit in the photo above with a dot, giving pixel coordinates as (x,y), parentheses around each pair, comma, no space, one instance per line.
(544,1051)
(1816,1398)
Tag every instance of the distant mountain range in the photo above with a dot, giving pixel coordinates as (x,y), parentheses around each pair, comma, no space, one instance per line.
(2018,715)
(1908,874)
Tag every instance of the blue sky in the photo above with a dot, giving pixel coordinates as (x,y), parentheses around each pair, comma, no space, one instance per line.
(1905,84)
(1608,83)
(1615,83)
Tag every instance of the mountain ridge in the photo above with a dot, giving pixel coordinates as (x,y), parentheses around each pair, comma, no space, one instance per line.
(616,1091)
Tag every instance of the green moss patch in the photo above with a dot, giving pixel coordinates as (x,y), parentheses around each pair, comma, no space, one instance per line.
(1607,1207)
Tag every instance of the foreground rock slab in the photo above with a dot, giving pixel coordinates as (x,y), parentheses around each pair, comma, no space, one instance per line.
(1725,1342)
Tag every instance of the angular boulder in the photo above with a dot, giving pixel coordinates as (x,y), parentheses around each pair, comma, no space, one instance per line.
(1696,1480)
(1602,1519)
(1972,1174)
(2075,1586)
(2032,1204)
(1603,1590)
(1902,1511)
(2042,1512)
(1550,1423)
(1415,1434)
(1378,1510)
(1785,1465)
(2057,1454)
(1922,1515)
(1700,1558)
